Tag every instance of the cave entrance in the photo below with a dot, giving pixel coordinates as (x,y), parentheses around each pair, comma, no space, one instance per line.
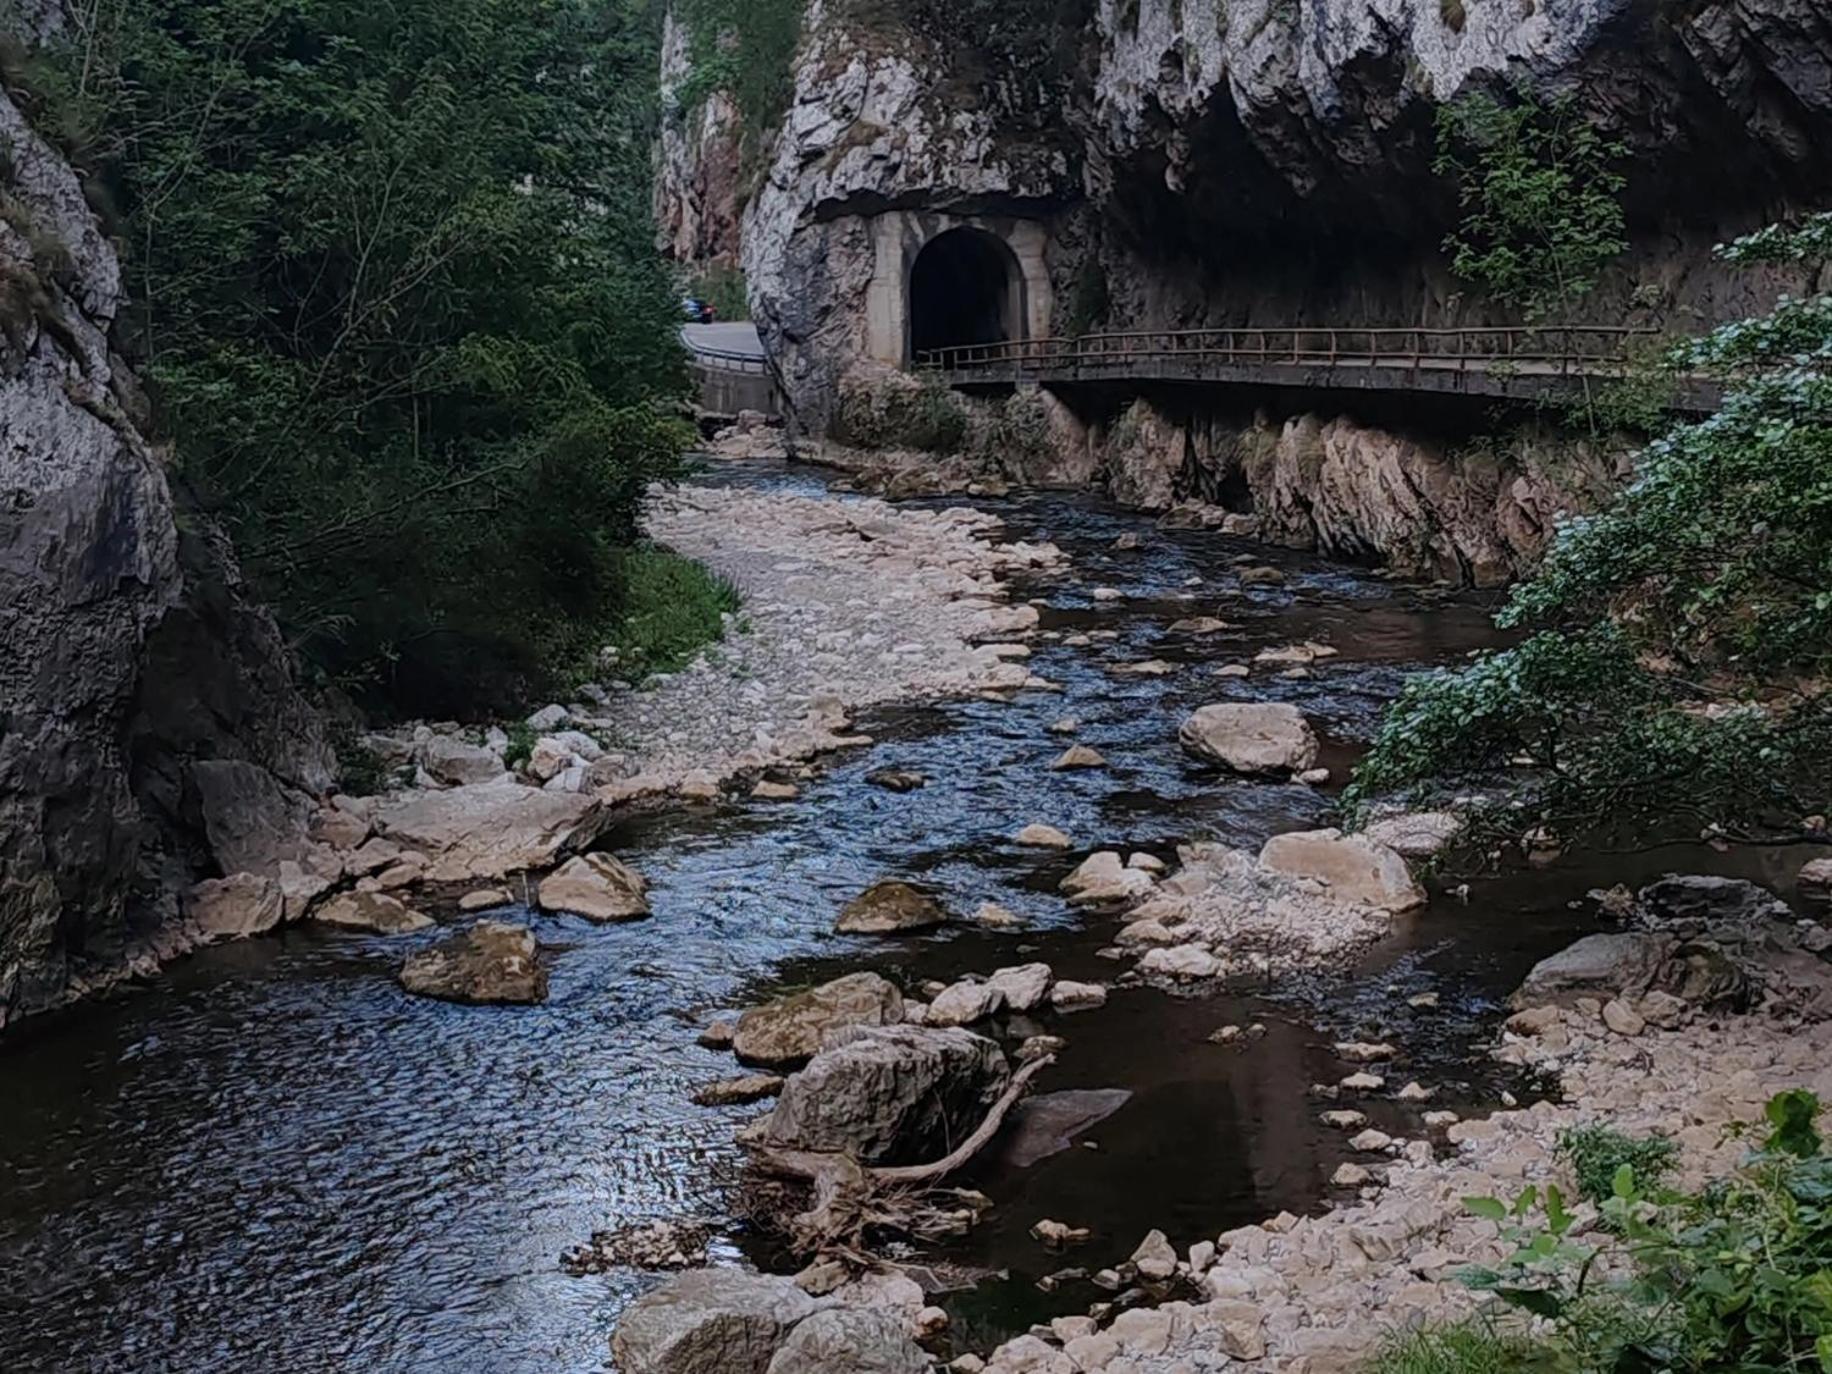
(965,288)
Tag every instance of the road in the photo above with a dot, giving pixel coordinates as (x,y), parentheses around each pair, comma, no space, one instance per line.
(738,338)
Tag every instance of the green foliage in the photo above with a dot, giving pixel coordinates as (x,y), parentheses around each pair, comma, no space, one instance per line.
(895,414)
(1681,637)
(1092,299)
(723,288)
(1465,1348)
(1737,1277)
(746,49)
(399,305)
(673,607)
(1598,1153)
(1541,205)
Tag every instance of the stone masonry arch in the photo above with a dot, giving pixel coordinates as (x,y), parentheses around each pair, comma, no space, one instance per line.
(942,278)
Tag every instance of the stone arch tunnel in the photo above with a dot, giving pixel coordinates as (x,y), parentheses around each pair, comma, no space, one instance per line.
(940,280)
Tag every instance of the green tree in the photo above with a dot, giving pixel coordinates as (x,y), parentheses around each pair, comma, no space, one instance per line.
(1542,214)
(1679,641)
(397,300)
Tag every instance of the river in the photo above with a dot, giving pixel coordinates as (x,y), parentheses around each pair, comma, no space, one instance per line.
(273,1158)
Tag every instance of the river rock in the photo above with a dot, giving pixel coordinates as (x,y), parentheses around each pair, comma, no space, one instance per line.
(964,1003)
(1356,869)
(459,762)
(709,1321)
(1068,996)
(789,1031)
(1103,878)
(1598,966)
(235,907)
(850,1340)
(1025,986)
(896,779)
(736,1092)
(484,898)
(889,1095)
(1182,961)
(1078,756)
(1155,1259)
(1267,738)
(890,908)
(1416,834)
(1043,837)
(1703,897)
(1815,882)
(598,887)
(490,830)
(492,962)
(375,912)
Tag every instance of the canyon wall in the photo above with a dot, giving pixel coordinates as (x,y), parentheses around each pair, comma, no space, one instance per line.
(1207,162)
(147,706)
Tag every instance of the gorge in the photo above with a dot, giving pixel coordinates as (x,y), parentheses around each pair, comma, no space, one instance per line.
(1232,779)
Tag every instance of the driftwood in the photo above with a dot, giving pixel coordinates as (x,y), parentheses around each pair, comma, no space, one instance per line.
(850,1199)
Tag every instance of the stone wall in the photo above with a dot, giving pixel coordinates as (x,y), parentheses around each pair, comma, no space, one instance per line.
(132,656)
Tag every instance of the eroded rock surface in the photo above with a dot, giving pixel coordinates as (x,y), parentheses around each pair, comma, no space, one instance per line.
(492,962)
(790,1030)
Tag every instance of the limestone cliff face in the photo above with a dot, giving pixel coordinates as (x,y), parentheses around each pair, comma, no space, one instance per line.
(131,656)
(1207,162)
(697,166)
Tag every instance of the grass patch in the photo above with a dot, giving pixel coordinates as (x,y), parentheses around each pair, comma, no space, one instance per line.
(1465,1348)
(1597,1153)
(673,608)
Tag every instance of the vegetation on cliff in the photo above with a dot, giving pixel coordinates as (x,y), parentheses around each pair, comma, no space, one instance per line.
(1673,678)
(398,303)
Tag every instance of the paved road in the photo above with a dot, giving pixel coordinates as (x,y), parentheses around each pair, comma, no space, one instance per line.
(723,338)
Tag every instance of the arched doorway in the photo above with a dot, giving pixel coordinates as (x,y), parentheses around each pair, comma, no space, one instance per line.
(965,288)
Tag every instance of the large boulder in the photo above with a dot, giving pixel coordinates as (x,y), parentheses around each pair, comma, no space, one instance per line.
(491,963)
(889,1095)
(1416,834)
(1815,882)
(459,762)
(1104,877)
(789,1031)
(597,887)
(1598,966)
(493,829)
(890,908)
(235,907)
(1355,867)
(1689,897)
(709,1321)
(850,1340)
(1268,738)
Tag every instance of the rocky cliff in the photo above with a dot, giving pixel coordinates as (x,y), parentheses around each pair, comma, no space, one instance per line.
(143,698)
(1195,162)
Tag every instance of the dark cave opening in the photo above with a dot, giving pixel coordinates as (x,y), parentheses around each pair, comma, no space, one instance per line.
(964,290)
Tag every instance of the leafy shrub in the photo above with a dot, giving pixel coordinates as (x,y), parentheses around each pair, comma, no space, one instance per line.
(400,309)
(892,412)
(1597,1154)
(673,607)
(1738,1277)
(1681,638)
(1465,1348)
(1541,204)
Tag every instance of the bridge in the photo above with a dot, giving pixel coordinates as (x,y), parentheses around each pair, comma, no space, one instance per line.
(732,368)
(1508,362)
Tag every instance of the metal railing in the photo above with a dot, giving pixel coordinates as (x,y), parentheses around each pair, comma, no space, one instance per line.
(1555,349)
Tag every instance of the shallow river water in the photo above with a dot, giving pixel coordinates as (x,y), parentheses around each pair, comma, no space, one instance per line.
(274,1159)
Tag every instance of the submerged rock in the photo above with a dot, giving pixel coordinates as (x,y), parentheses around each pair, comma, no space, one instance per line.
(709,1321)
(736,1092)
(890,908)
(1078,756)
(491,963)
(598,887)
(1269,738)
(789,1030)
(889,1095)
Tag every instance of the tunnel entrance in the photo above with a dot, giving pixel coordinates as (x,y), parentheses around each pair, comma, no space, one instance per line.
(964,289)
